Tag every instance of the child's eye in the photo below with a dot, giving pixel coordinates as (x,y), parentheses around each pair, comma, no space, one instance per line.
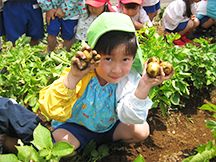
(126,59)
(108,59)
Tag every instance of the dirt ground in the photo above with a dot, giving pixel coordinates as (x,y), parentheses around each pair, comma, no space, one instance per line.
(172,137)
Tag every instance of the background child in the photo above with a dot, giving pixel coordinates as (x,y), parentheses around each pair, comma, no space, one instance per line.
(207,17)
(133,9)
(94,8)
(61,14)
(151,7)
(22,17)
(180,16)
(16,122)
(108,101)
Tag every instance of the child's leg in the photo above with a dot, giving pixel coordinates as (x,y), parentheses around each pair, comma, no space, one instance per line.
(9,145)
(67,32)
(130,133)
(66,136)
(51,42)
(191,25)
(34,42)
(208,23)
(67,44)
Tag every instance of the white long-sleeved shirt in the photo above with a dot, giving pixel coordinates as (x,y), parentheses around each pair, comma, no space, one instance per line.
(175,13)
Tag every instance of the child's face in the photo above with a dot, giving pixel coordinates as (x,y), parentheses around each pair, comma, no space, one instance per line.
(114,67)
(131,12)
(96,11)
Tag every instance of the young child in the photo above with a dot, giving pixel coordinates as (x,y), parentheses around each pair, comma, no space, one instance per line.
(16,122)
(108,101)
(207,17)
(94,8)
(133,9)
(61,14)
(151,7)
(23,17)
(180,16)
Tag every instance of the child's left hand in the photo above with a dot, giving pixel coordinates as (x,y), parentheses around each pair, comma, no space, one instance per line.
(146,83)
(59,13)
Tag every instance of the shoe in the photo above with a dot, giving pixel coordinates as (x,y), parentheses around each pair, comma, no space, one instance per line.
(184,39)
(179,42)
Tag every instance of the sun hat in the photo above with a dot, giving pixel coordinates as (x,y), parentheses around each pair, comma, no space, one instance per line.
(131,1)
(113,21)
(96,3)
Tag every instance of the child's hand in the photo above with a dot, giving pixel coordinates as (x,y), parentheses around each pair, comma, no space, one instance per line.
(146,83)
(59,13)
(75,74)
(193,17)
(50,15)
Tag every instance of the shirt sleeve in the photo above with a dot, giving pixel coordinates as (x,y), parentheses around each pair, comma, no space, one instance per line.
(130,109)
(56,101)
(45,5)
(144,18)
(72,7)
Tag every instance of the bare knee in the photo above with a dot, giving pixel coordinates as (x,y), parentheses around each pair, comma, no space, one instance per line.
(142,131)
(66,136)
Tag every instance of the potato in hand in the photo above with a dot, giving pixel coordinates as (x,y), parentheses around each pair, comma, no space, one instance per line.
(89,58)
(154,64)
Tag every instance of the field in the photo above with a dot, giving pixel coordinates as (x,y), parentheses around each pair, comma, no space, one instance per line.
(176,124)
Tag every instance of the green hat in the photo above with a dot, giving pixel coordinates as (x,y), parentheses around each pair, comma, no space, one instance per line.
(113,21)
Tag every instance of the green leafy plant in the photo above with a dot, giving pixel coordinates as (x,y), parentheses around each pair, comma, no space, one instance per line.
(92,153)
(208,151)
(192,64)
(46,150)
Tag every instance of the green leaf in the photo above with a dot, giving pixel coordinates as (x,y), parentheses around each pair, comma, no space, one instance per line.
(44,152)
(103,150)
(175,99)
(62,149)
(9,158)
(139,159)
(25,153)
(42,138)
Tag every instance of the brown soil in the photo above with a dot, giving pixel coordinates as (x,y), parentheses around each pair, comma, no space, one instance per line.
(172,137)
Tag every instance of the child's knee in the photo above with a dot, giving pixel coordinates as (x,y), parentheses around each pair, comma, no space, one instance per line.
(142,132)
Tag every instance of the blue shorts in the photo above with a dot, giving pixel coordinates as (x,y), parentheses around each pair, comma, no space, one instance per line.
(85,136)
(67,28)
(2,29)
(152,9)
(22,17)
(179,28)
(203,19)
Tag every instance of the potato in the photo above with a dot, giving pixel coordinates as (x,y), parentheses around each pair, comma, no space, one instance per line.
(89,57)
(97,57)
(153,69)
(167,67)
(154,59)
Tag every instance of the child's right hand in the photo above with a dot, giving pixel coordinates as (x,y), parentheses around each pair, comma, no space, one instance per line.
(75,74)
(50,15)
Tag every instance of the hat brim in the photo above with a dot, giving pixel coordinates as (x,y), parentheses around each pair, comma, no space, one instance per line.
(139,2)
(95,3)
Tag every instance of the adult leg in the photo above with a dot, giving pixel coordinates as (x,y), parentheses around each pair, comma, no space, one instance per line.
(130,133)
